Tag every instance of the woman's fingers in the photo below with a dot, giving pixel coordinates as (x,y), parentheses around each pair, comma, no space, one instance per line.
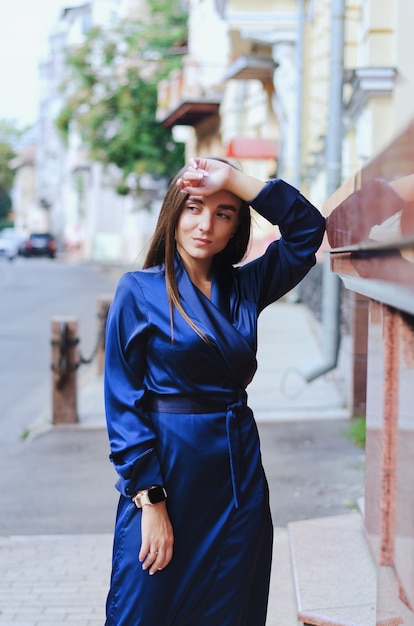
(152,560)
(156,560)
(195,176)
(144,551)
(193,181)
(204,176)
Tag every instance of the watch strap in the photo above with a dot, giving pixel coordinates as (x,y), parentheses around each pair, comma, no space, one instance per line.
(153,495)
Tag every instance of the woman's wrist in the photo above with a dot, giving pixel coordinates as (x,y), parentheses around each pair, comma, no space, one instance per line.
(243,185)
(150,496)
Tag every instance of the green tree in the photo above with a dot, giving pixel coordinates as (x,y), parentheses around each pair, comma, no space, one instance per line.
(5,208)
(111,91)
(9,136)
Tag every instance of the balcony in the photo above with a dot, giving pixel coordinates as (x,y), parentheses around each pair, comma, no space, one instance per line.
(251,67)
(181,101)
(189,112)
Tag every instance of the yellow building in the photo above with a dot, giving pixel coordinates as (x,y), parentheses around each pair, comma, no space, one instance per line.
(258,76)
(329,84)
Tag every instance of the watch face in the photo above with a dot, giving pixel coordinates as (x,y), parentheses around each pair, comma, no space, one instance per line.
(156,494)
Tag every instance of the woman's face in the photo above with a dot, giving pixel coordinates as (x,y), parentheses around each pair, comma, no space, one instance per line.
(206,225)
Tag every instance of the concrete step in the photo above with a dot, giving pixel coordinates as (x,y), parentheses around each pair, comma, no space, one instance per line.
(282,598)
(334,572)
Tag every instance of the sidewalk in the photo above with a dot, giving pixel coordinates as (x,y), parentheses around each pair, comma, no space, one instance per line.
(289,338)
(61,577)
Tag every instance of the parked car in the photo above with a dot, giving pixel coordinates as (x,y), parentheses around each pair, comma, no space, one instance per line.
(40,244)
(10,242)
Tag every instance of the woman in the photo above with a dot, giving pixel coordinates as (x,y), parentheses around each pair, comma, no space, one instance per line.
(193,535)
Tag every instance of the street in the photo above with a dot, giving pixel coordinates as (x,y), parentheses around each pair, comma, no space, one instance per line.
(68,466)
(57,488)
(32,292)
(63,475)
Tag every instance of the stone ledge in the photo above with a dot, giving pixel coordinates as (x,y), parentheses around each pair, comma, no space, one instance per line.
(335,575)
(282,609)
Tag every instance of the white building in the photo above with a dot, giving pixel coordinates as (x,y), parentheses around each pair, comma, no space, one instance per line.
(84,209)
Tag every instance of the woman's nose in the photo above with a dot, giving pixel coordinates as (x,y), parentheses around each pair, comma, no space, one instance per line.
(205,221)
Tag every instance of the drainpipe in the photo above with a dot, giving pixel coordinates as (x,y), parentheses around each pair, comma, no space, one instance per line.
(296,182)
(331,283)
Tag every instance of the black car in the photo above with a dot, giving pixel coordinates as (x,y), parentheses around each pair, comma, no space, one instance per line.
(40,244)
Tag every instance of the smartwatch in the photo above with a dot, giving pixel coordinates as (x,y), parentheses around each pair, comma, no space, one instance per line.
(153,495)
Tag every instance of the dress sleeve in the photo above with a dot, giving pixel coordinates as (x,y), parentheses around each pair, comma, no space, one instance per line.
(289,259)
(132,440)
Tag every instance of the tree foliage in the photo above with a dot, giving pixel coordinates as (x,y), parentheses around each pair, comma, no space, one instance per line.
(5,207)
(110,91)
(8,137)
(6,172)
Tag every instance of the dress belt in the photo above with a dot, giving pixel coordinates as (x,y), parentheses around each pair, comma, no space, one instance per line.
(205,403)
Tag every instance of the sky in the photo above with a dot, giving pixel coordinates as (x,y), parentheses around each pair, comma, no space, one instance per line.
(24,29)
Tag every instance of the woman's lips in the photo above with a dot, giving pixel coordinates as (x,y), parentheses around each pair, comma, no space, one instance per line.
(202,242)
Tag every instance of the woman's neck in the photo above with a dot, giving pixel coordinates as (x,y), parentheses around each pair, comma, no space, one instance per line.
(203,285)
(200,274)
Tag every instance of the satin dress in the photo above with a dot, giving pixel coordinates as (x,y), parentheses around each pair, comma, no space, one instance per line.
(202,444)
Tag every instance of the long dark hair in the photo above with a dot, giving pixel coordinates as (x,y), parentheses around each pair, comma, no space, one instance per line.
(163,245)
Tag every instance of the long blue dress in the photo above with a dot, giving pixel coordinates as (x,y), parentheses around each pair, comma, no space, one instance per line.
(209,458)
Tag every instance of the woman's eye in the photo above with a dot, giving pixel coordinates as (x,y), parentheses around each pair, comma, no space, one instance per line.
(224,215)
(192,207)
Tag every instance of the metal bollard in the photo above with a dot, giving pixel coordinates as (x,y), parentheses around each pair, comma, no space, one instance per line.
(64,366)
(104,302)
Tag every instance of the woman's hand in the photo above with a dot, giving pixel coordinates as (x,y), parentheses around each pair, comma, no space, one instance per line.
(204,176)
(207,176)
(157,537)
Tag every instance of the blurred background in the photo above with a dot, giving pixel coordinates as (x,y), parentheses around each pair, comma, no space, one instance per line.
(102,102)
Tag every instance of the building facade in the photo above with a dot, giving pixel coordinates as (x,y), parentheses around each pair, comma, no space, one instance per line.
(85,211)
(255,85)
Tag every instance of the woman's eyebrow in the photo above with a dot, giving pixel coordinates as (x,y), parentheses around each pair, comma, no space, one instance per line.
(196,199)
(222,207)
(228,207)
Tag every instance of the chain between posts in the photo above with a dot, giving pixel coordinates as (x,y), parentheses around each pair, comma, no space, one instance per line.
(102,315)
(67,362)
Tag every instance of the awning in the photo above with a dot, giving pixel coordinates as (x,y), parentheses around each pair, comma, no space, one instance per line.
(253,148)
(189,112)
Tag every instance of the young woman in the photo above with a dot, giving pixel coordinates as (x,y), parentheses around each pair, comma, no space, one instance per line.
(193,535)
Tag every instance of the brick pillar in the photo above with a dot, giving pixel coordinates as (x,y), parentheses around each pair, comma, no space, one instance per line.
(360,349)
(391,333)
